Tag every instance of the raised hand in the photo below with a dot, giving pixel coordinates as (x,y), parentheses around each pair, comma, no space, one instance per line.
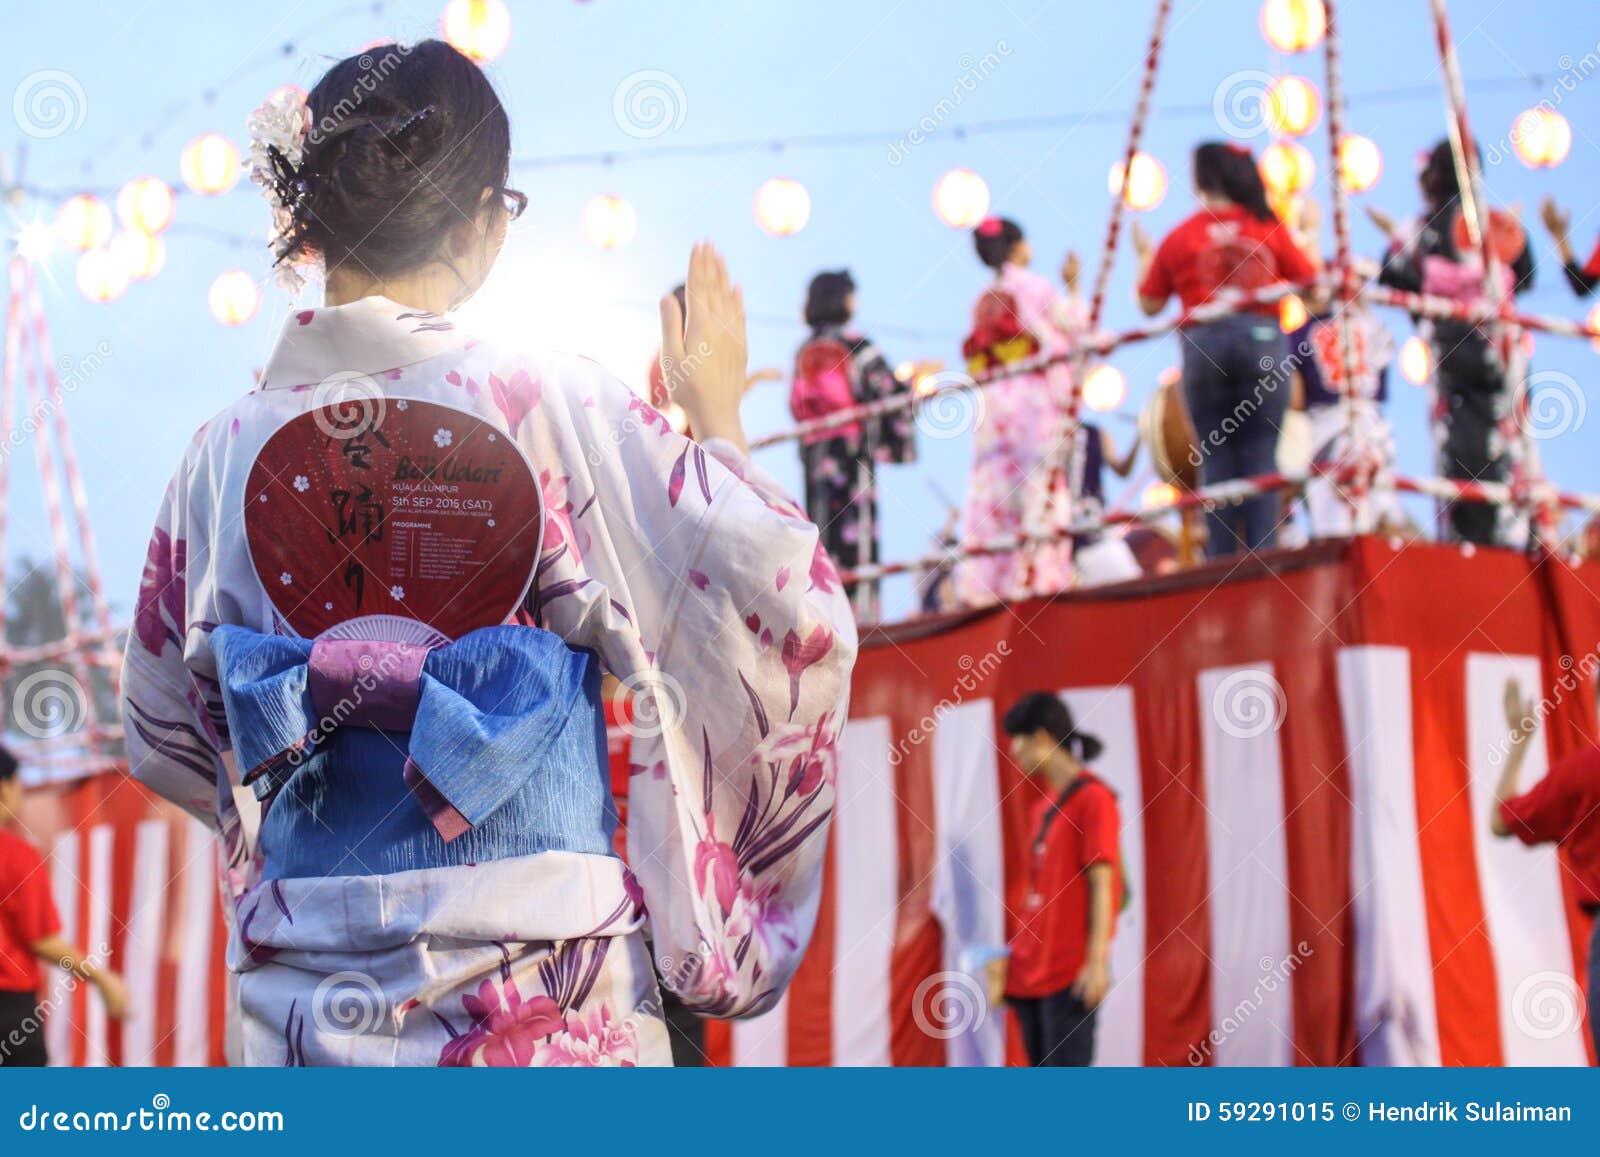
(704,356)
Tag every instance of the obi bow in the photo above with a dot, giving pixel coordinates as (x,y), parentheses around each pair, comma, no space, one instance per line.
(480,711)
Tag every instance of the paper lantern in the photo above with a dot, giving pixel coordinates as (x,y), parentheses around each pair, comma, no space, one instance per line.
(1360,163)
(84,223)
(1294,25)
(1287,168)
(1542,138)
(1147,184)
(961,198)
(1104,388)
(480,29)
(101,276)
(1293,106)
(145,204)
(1158,494)
(234,297)
(1593,322)
(209,164)
(1416,362)
(609,221)
(1292,313)
(782,206)
(141,254)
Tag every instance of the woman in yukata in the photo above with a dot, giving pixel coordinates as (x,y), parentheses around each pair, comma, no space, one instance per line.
(381,594)
(1021,455)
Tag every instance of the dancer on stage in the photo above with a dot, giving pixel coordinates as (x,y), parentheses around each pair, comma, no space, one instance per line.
(1474,425)
(834,369)
(1020,444)
(1234,379)
(30,934)
(382,589)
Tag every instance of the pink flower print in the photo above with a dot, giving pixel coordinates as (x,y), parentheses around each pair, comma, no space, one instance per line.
(783,577)
(159,612)
(716,871)
(649,416)
(304,316)
(699,579)
(506,1030)
(824,574)
(516,396)
(798,655)
(559,528)
(759,913)
(593,1039)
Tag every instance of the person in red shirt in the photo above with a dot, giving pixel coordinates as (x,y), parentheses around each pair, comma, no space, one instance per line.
(1059,966)
(30,931)
(1236,369)
(1563,808)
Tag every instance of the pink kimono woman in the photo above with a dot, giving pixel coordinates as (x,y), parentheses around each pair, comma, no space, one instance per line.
(1019,451)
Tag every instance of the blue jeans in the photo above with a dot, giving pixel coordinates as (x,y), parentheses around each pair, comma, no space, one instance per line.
(1235,382)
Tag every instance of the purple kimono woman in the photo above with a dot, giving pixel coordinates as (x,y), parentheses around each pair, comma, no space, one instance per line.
(411,788)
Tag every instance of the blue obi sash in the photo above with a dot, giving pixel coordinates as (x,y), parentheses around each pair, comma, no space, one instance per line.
(374,757)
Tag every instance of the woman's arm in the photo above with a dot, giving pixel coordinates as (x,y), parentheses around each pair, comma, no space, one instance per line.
(1521,721)
(1122,466)
(61,952)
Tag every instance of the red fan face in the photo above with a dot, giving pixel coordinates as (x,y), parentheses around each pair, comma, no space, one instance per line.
(407,508)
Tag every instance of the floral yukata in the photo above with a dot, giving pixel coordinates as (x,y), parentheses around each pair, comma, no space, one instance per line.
(1019,469)
(427,930)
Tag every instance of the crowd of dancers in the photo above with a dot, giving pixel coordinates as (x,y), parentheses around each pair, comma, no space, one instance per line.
(1259,394)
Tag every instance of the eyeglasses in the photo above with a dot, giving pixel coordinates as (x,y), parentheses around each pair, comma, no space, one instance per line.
(515,202)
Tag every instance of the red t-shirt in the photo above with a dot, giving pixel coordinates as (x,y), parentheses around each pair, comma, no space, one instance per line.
(27,912)
(1564,808)
(1220,249)
(1051,939)
(1591,267)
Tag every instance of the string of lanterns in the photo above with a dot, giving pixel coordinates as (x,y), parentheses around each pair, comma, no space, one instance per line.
(111,258)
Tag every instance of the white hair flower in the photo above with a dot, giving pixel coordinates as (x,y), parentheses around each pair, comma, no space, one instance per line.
(278,131)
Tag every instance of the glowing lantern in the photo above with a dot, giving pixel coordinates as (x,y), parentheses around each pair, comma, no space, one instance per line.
(1294,25)
(84,223)
(234,297)
(480,29)
(145,204)
(1542,138)
(1593,322)
(35,240)
(1287,168)
(1360,163)
(209,164)
(141,254)
(1104,388)
(1158,494)
(961,198)
(1416,363)
(782,206)
(1291,313)
(1147,183)
(1293,106)
(101,277)
(609,221)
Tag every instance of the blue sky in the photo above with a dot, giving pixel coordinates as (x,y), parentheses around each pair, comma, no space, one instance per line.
(154,75)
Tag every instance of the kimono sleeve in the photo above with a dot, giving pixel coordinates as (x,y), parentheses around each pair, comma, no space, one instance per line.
(707,594)
(174,741)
